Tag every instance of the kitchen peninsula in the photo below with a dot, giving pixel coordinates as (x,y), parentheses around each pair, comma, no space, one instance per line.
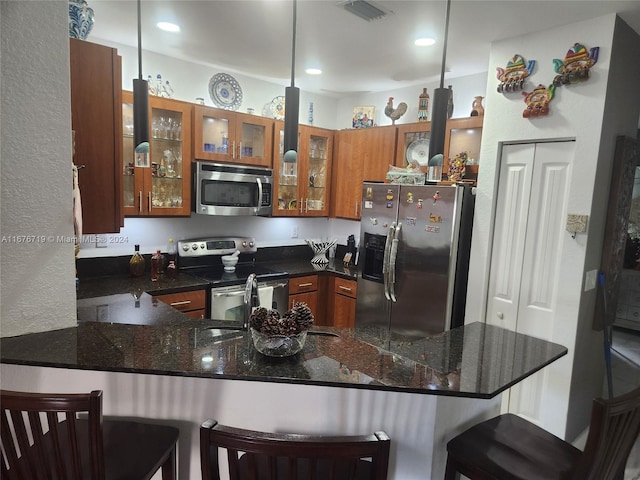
(182,371)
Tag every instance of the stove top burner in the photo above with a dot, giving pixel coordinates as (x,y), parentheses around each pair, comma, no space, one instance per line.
(217,277)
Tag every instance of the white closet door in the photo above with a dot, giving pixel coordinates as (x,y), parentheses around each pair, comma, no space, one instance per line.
(526,256)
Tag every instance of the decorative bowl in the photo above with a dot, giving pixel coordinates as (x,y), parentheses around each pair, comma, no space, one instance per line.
(320,250)
(278,345)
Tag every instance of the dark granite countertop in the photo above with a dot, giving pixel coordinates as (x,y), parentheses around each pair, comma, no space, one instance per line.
(118,333)
(116,282)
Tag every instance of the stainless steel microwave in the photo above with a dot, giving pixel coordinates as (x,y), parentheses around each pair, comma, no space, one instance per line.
(219,189)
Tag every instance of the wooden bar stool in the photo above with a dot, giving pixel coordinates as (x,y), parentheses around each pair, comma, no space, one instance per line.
(42,437)
(255,455)
(508,447)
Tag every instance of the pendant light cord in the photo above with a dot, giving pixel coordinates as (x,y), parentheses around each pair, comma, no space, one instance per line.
(139,43)
(293,45)
(444,48)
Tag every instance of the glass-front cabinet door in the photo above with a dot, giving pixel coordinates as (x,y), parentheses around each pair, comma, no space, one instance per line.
(163,187)
(231,137)
(287,187)
(464,135)
(316,146)
(302,186)
(413,143)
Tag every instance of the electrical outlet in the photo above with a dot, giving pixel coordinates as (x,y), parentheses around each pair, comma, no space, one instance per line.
(294,231)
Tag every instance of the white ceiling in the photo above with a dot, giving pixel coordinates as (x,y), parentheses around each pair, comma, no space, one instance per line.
(254,37)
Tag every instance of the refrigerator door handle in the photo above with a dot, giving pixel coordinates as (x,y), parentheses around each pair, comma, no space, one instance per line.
(392,263)
(385,261)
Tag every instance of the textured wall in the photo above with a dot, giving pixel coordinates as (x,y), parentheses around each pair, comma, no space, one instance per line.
(37,283)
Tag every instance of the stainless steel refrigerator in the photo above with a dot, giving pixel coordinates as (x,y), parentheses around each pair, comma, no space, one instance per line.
(413,258)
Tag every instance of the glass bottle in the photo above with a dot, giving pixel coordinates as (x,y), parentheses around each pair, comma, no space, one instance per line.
(155,266)
(172,270)
(137,263)
(172,250)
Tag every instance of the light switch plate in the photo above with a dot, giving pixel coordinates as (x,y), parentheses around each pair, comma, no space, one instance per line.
(577,223)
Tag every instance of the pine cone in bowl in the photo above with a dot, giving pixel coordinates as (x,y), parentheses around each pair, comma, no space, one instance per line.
(277,336)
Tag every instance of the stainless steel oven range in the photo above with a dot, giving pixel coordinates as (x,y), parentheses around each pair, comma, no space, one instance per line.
(202,257)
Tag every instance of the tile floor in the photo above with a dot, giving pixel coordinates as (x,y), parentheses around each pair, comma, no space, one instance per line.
(625,368)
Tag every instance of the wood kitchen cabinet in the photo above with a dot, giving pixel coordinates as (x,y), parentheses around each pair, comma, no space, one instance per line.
(232,137)
(164,187)
(463,135)
(191,303)
(359,155)
(344,302)
(304,289)
(413,143)
(302,187)
(96,118)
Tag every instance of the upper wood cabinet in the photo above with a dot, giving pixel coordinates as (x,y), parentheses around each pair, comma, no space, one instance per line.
(359,155)
(413,137)
(164,187)
(96,118)
(302,187)
(463,135)
(232,137)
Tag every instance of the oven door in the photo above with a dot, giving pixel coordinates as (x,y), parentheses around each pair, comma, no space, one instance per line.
(227,303)
(231,190)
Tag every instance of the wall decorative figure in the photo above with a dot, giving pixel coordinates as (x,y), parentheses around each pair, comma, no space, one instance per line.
(538,101)
(576,65)
(513,76)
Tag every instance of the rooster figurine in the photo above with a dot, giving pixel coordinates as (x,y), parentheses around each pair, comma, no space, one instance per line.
(395,113)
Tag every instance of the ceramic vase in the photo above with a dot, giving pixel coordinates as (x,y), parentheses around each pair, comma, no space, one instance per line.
(80,19)
(476,107)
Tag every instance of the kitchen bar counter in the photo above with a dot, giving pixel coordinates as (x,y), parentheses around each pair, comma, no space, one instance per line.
(155,363)
(119,333)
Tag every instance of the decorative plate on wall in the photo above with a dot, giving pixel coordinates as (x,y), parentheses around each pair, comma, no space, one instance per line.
(277,108)
(225,91)
(418,152)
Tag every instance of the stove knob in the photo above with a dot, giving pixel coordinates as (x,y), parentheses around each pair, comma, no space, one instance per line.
(203,246)
(194,246)
(244,244)
(251,244)
(185,247)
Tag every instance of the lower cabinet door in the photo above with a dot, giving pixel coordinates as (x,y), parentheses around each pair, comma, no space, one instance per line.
(310,298)
(344,311)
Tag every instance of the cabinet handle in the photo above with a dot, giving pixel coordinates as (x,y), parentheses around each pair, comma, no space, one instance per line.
(357,208)
(342,287)
(240,150)
(308,284)
(149,201)
(300,203)
(306,205)
(140,201)
(184,302)
(233,149)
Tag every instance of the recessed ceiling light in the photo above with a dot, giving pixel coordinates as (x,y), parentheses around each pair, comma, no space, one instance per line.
(168,26)
(424,42)
(313,71)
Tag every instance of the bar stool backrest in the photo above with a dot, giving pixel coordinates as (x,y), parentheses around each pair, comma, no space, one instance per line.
(253,455)
(41,436)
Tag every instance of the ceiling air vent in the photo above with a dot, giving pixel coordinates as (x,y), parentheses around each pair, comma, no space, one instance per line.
(365,10)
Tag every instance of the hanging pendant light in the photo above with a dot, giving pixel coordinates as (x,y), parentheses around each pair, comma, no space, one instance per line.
(141,108)
(440,102)
(291,105)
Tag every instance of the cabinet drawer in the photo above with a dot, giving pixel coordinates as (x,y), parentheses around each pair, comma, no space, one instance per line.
(345,287)
(303,284)
(185,301)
